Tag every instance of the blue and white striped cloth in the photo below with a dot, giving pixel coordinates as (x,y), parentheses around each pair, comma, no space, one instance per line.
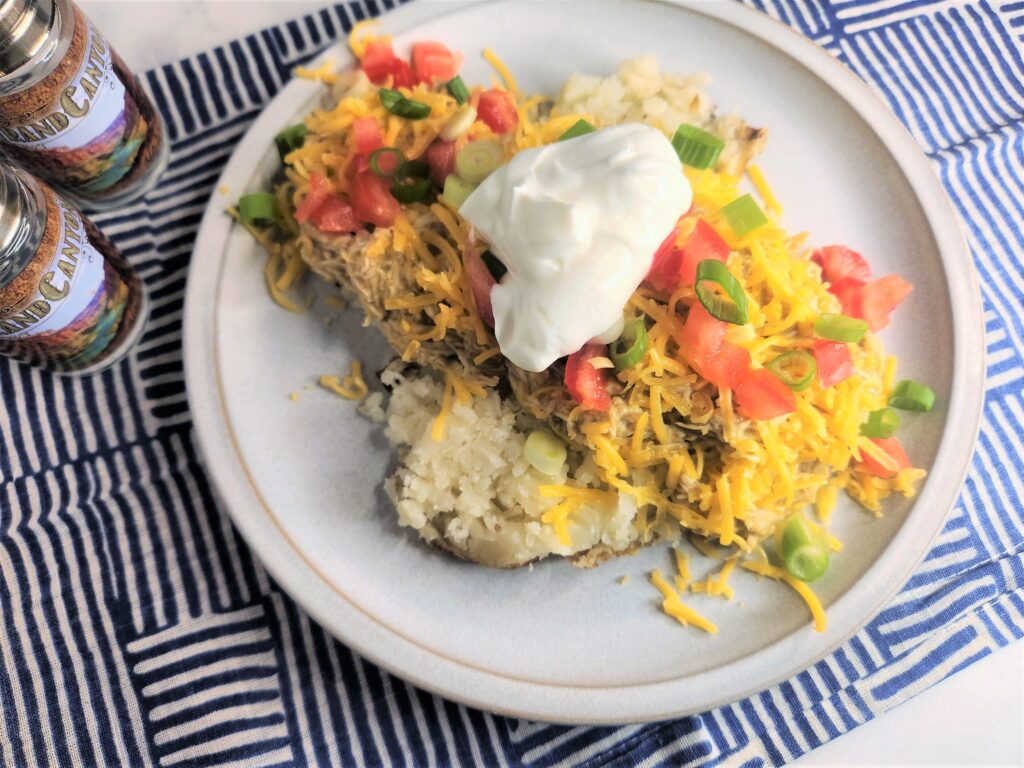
(139,630)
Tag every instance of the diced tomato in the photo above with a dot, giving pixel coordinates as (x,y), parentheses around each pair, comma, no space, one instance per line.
(667,262)
(335,215)
(834,362)
(402,75)
(440,156)
(702,334)
(875,301)
(379,62)
(727,367)
(673,266)
(838,263)
(703,243)
(433,61)
(367,135)
(372,198)
(497,110)
(705,348)
(588,385)
(761,395)
(317,193)
(895,451)
(847,291)
(480,282)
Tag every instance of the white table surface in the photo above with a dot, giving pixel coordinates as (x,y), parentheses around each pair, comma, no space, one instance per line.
(973,718)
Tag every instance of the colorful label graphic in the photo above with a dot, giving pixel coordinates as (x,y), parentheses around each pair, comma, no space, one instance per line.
(77,307)
(92,135)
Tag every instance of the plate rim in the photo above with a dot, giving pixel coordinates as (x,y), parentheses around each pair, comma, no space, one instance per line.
(553,702)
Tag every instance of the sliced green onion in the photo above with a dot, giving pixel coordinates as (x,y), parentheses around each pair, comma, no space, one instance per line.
(257,208)
(457,189)
(628,350)
(908,395)
(494,265)
(804,552)
(478,160)
(545,452)
(459,123)
(697,148)
(410,189)
(290,139)
(458,90)
(732,308)
(795,369)
(395,103)
(389,97)
(840,327)
(413,169)
(744,215)
(579,128)
(377,154)
(881,424)
(411,182)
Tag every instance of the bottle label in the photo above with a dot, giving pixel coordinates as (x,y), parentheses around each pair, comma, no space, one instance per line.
(69,293)
(90,137)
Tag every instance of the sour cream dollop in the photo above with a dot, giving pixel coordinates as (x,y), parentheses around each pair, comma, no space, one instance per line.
(576,223)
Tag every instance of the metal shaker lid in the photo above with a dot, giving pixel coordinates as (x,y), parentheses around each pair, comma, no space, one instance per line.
(24,28)
(14,208)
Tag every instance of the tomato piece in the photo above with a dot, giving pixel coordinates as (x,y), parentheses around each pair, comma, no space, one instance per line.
(372,198)
(727,367)
(664,271)
(402,75)
(440,156)
(895,451)
(480,283)
(367,135)
(704,243)
(702,334)
(673,266)
(834,361)
(433,61)
(875,301)
(379,63)
(847,291)
(588,385)
(498,111)
(761,395)
(838,263)
(378,60)
(335,215)
(318,191)
(705,348)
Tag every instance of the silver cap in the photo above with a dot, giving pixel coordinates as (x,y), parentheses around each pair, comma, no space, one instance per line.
(24,28)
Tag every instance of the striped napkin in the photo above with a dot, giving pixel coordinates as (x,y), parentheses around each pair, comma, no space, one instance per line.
(139,630)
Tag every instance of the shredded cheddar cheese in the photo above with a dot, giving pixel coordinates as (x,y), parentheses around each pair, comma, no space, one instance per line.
(351,387)
(676,608)
(805,592)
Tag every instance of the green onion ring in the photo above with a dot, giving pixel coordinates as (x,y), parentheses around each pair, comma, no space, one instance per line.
(795,369)
(377,154)
(711,273)
(909,395)
(628,350)
(840,327)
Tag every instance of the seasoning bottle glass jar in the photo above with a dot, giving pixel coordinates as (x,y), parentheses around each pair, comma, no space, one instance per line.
(69,302)
(71,112)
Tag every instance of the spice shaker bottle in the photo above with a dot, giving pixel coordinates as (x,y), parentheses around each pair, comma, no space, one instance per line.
(71,113)
(69,302)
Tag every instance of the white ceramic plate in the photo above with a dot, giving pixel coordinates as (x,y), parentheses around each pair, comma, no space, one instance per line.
(302,479)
